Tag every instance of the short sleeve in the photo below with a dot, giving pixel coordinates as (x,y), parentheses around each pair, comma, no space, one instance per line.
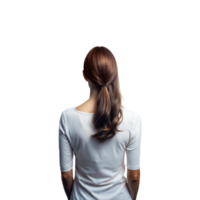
(133,147)
(65,149)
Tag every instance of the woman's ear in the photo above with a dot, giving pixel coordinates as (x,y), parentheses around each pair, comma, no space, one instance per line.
(84,76)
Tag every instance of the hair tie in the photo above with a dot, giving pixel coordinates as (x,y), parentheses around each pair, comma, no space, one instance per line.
(103,85)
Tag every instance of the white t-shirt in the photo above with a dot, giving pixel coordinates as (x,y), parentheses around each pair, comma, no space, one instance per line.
(99,166)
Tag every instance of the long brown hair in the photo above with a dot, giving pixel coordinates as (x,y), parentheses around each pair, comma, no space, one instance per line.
(100,67)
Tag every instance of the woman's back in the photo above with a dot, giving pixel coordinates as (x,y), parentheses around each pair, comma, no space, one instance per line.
(99,166)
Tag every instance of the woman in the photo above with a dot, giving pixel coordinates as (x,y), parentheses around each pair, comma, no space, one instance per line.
(99,132)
